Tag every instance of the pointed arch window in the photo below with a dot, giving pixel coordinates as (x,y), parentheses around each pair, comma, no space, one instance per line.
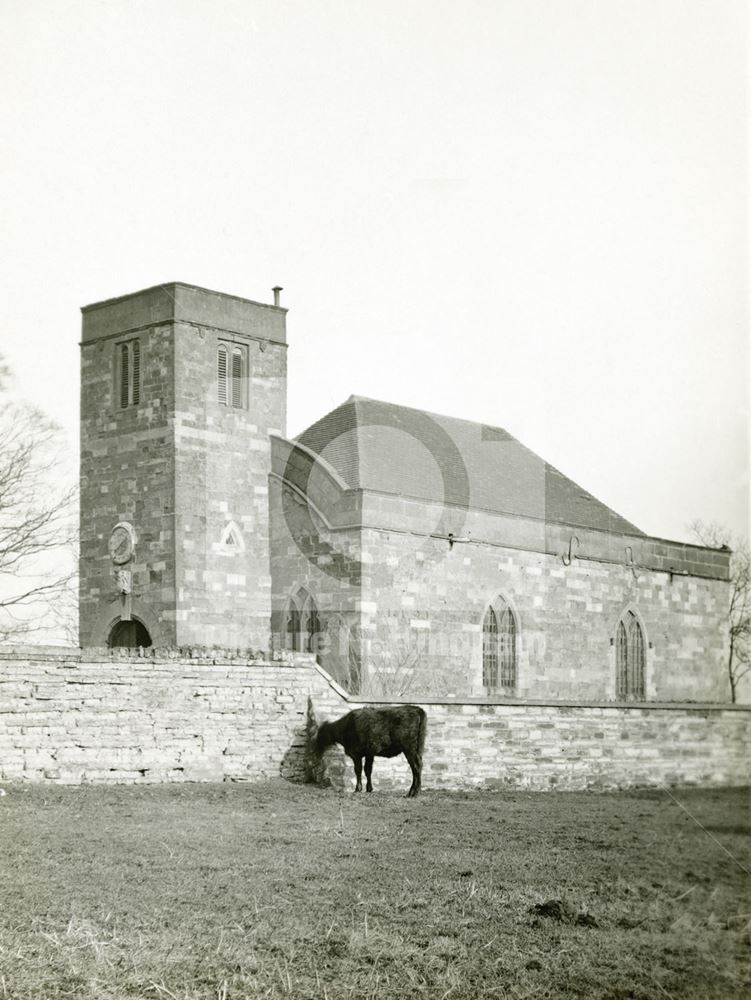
(490,650)
(292,627)
(302,623)
(499,648)
(129,373)
(630,659)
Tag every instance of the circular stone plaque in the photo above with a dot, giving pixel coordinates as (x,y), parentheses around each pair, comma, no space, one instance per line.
(121,544)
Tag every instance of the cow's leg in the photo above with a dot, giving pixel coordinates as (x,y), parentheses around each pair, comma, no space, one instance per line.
(358,773)
(368,772)
(415,763)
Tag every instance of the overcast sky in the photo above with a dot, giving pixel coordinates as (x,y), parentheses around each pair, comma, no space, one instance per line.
(531,213)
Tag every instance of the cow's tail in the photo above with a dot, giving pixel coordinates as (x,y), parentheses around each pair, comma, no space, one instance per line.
(422,731)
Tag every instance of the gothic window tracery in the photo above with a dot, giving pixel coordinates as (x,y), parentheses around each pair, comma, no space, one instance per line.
(499,647)
(630,659)
(302,624)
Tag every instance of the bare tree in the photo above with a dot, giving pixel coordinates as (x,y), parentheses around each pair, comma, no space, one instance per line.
(393,659)
(36,523)
(739,614)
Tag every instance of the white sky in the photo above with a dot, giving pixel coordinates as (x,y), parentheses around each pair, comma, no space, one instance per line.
(531,213)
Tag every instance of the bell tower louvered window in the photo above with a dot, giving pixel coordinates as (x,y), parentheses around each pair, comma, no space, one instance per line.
(221,374)
(630,659)
(231,373)
(237,377)
(129,374)
(499,648)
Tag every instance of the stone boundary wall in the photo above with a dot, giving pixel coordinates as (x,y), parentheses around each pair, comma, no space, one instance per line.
(584,746)
(77,717)
(70,717)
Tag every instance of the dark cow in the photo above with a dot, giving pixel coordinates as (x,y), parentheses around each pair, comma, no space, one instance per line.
(378,732)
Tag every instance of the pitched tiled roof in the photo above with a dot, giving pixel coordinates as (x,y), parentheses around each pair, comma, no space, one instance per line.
(399,450)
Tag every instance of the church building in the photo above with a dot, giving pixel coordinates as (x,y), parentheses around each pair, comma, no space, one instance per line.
(414,554)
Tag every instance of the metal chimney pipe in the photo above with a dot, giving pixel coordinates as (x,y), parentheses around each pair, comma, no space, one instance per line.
(276,290)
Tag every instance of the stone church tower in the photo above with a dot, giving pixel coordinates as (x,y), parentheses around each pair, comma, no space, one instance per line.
(181,388)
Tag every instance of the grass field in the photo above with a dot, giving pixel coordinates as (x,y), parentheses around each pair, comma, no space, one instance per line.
(277,890)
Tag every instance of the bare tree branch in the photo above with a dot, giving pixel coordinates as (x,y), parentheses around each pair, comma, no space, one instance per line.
(391,662)
(717,536)
(37,536)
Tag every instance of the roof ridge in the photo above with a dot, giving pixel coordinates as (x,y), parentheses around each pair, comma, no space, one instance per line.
(356,398)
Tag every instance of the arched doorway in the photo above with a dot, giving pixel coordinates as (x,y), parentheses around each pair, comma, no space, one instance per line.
(129,635)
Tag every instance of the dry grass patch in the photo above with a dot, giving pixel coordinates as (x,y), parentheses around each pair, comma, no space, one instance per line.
(242,891)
